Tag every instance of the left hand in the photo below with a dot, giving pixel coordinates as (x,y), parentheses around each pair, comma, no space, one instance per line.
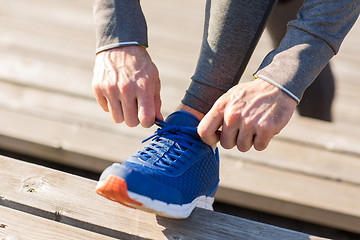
(126,83)
(250,114)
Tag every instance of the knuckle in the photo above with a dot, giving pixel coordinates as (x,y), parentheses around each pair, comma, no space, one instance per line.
(266,129)
(206,137)
(232,118)
(97,88)
(219,104)
(227,145)
(132,124)
(143,83)
(203,133)
(125,87)
(262,139)
(117,119)
(97,93)
(146,98)
(260,146)
(105,87)
(250,123)
(242,148)
(210,141)
(111,88)
(147,120)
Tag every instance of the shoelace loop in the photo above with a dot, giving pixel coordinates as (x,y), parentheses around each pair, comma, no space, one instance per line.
(184,138)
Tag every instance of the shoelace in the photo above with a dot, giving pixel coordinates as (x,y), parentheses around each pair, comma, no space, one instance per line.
(184,138)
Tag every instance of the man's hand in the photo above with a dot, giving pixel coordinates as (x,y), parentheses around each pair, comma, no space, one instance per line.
(250,114)
(126,84)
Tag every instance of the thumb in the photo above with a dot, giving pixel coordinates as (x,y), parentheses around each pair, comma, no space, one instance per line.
(208,128)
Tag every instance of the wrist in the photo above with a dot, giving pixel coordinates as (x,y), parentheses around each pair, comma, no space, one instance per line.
(116,46)
(282,88)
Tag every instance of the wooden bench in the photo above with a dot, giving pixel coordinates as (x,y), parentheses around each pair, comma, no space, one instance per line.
(41,203)
(309,172)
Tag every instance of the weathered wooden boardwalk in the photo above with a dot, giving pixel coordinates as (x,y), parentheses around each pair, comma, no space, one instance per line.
(40,203)
(309,172)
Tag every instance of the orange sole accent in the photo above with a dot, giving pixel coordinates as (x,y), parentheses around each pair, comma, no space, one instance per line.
(115,189)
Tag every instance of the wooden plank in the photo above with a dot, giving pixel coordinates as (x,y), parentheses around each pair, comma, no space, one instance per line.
(20,225)
(299,196)
(63,142)
(42,74)
(337,137)
(72,14)
(84,209)
(307,160)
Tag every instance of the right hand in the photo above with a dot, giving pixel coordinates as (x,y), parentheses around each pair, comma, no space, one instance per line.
(126,83)
(250,114)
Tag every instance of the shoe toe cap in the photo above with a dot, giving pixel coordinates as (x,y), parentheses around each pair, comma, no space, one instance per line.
(140,180)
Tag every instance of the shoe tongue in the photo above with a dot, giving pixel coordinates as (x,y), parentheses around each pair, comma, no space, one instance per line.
(181,118)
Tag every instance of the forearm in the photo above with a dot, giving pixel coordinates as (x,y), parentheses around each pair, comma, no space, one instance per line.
(119,23)
(311,41)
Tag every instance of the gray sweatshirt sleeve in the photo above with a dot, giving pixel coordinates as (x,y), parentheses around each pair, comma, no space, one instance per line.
(310,42)
(119,23)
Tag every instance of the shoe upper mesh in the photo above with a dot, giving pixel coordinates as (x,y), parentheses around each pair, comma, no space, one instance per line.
(200,179)
(178,158)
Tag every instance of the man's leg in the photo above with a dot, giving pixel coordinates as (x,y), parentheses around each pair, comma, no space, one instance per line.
(318,97)
(231,32)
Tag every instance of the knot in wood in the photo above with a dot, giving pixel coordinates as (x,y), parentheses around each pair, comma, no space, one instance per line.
(32,184)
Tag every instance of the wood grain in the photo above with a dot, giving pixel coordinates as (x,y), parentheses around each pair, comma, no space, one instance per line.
(71,200)
(18,225)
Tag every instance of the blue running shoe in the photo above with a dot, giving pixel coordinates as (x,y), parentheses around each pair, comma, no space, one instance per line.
(171,176)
